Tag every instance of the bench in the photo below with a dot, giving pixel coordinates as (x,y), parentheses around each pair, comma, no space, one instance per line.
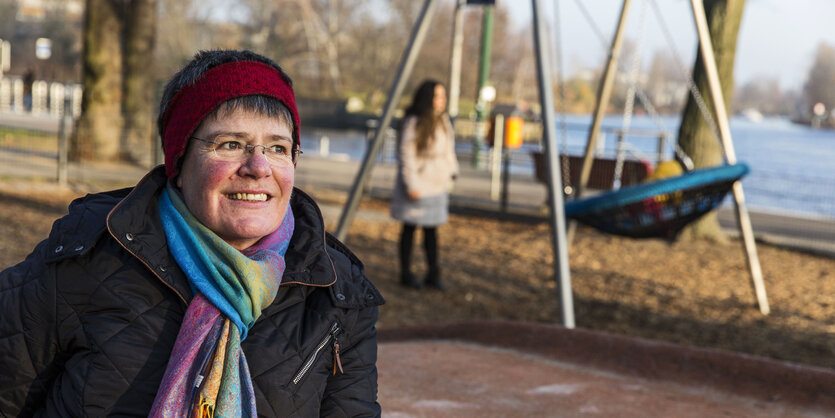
(602,171)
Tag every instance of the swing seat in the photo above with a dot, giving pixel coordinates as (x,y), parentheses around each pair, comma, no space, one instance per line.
(658,209)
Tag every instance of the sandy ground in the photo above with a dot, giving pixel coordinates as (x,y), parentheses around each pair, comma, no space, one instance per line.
(695,293)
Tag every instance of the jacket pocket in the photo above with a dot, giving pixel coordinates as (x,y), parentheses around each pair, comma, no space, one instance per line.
(329,339)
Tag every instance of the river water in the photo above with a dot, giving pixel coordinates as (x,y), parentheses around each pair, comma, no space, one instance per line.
(792,166)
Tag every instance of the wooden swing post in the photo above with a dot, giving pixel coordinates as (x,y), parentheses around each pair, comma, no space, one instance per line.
(721,114)
(604,94)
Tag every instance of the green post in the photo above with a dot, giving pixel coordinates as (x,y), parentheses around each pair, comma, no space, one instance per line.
(482,109)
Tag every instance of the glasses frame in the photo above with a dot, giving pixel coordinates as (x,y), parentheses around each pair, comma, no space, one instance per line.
(294,153)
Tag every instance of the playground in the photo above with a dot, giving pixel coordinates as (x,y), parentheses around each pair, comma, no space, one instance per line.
(650,318)
(693,293)
(667,327)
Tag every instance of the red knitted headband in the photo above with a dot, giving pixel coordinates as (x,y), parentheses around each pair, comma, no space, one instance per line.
(227,81)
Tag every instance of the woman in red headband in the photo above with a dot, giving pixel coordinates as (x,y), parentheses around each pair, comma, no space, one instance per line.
(209,288)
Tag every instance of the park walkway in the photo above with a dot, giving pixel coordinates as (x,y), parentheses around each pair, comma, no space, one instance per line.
(508,369)
(472,194)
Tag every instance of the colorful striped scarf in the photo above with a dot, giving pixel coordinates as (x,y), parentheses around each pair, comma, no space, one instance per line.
(207,373)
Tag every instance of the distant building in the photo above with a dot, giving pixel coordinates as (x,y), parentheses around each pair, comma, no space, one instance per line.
(38,10)
(57,21)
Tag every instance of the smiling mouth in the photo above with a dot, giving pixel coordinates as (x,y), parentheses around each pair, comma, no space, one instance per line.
(248,197)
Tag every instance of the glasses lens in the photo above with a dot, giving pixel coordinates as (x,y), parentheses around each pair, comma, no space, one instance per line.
(229,150)
(277,153)
(237,151)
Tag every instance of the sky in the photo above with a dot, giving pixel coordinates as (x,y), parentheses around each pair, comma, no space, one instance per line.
(777,39)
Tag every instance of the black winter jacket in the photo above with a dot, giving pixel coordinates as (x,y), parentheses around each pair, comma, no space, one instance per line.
(88,320)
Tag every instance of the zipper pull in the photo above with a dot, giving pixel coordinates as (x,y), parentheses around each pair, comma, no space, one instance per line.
(337,362)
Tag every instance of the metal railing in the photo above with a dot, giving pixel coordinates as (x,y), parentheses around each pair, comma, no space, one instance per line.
(43,98)
(32,152)
(790,200)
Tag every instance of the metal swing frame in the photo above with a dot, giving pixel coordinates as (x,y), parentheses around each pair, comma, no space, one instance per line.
(557,221)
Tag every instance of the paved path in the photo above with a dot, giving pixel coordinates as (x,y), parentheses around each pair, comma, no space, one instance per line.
(472,194)
(507,369)
(43,122)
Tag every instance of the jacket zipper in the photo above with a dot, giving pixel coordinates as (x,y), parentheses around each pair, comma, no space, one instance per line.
(335,329)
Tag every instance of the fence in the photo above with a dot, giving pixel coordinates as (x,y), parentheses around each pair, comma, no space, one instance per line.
(36,152)
(45,97)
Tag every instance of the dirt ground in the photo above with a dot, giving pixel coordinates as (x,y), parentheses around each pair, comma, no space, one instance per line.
(694,293)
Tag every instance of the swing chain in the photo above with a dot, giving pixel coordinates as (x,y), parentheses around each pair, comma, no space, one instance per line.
(629,106)
(691,85)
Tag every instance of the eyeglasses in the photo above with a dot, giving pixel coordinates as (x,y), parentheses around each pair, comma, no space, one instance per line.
(228,149)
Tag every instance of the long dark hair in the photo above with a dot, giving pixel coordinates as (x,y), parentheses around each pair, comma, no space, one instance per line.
(427,119)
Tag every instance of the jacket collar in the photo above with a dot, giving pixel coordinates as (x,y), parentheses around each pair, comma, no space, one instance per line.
(308,261)
(135,223)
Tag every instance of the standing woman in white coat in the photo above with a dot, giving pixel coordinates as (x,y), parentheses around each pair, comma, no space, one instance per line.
(426,168)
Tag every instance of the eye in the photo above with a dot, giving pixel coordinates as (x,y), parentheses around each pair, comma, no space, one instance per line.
(277,149)
(229,146)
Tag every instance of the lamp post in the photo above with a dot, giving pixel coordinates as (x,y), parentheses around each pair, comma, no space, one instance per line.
(482,102)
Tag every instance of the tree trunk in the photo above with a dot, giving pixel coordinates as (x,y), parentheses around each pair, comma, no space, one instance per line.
(695,136)
(97,133)
(138,99)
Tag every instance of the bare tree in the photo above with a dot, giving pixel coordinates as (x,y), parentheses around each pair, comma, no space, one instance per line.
(326,25)
(306,36)
(695,136)
(666,83)
(370,70)
(185,31)
(138,97)
(764,95)
(820,83)
(117,104)
(96,136)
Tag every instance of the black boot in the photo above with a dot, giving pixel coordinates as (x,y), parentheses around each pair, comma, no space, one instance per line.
(406,238)
(433,279)
(407,280)
(430,244)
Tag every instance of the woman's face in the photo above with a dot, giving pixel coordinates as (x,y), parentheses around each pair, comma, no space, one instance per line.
(240,201)
(439,100)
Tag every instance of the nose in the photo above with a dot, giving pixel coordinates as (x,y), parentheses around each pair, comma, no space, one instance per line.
(256,164)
